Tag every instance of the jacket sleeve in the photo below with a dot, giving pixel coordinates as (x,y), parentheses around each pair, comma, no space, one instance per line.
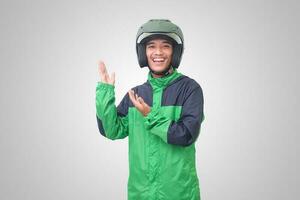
(186,129)
(112,121)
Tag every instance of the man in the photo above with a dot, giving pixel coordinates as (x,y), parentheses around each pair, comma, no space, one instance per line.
(161,117)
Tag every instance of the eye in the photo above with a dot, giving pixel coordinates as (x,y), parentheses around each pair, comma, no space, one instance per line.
(150,47)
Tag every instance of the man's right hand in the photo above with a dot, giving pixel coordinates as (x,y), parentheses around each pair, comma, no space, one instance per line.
(105,78)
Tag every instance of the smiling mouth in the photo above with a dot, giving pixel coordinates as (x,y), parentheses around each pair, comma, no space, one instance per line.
(158,60)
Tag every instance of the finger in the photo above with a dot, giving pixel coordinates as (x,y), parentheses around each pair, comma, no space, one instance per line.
(112,79)
(143,103)
(137,98)
(101,66)
(104,67)
(140,99)
(102,71)
(106,78)
(131,96)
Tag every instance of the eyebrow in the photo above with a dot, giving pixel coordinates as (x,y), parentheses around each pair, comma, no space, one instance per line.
(165,41)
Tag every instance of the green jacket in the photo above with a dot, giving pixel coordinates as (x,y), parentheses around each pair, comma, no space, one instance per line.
(162,144)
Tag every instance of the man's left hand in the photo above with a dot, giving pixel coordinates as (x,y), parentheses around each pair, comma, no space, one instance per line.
(139,103)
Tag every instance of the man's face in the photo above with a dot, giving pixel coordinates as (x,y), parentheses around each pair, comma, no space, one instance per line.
(159,54)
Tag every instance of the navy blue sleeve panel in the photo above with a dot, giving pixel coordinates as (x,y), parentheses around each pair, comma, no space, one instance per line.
(122,108)
(185,131)
(100,126)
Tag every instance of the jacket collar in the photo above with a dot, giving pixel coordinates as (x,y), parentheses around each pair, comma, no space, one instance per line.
(163,81)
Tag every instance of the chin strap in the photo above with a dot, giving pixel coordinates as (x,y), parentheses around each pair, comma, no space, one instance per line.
(164,73)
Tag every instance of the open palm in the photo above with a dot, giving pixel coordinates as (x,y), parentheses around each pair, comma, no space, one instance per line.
(105,78)
(139,103)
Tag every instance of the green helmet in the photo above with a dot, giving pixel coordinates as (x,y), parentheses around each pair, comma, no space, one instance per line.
(159,28)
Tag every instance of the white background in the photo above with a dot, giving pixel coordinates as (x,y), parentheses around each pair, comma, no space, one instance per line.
(244,54)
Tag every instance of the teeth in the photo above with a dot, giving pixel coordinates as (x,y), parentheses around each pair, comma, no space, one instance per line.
(158,59)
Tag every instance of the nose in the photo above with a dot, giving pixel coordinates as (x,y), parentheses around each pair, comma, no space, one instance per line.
(158,51)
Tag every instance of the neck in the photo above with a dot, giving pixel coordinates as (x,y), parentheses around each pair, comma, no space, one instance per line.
(159,76)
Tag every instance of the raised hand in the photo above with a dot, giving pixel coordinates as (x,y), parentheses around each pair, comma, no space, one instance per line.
(139,103)
(105,78)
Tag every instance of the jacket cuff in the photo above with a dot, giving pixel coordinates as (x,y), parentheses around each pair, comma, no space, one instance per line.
(149,118)
(157,124)
(105,86)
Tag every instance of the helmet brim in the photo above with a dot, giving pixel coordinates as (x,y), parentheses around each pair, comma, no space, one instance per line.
(145,37)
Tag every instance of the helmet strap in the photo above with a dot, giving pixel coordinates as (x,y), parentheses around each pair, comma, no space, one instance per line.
(164,73)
